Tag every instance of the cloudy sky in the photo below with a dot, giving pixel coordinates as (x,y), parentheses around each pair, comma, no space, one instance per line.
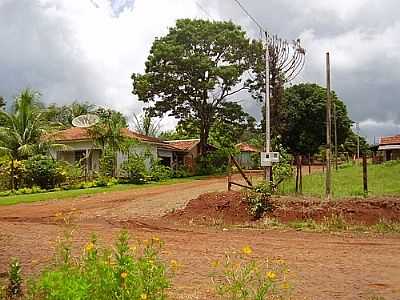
(87,49)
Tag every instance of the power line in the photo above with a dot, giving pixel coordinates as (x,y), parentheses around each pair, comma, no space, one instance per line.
(203,9)
(249,15)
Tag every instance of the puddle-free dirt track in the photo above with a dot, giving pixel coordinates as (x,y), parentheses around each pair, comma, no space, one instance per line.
(325,266)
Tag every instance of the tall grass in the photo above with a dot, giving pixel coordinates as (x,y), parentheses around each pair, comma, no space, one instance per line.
(383,180)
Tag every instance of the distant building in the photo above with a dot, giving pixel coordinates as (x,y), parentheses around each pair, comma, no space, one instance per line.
(246,155)
(389,147)
(189,152)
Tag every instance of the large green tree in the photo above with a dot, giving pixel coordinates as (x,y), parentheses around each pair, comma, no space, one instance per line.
(306,120)
(193,70)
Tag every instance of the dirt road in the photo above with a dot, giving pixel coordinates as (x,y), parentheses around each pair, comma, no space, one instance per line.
(325,266)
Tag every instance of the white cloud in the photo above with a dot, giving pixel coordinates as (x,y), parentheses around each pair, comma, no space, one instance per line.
(82,49)
(88,49)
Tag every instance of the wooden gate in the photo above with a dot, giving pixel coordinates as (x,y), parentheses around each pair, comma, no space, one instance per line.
(230,182)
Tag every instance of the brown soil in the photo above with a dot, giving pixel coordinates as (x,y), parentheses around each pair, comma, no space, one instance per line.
(231,208)
(325,266)
(361,211)
(213,208)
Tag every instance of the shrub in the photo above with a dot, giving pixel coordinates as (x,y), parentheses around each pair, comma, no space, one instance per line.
(43,172)
(106,164)
(240,277)
(125,273)
(19,174)
(135,169)
(282,170)
(159,172)
(180,172)
(14,288)
(258,200)
(215,162)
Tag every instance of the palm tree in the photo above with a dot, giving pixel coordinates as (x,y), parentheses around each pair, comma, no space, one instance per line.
(108,134)
(22,130)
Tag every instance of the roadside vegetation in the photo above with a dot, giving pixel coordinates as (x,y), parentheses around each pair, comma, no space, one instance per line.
(383,180)
(136,270)
(334,223)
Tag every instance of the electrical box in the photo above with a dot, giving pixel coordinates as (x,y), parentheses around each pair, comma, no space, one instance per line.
(268,158)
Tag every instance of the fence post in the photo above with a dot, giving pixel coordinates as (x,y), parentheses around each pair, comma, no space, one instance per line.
(229,172)
(365,175)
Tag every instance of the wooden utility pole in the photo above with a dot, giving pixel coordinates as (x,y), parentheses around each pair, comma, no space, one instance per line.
(335,134)
(365,175)
(328,183)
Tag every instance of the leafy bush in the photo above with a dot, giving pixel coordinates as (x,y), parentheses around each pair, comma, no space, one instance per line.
(19,174)
(215,162)
(240,277)
(135,168)
(14,288)
(180,172)
(125,273)
(43,172)
(282,170)
(258,200)
(106,163)
(159,172)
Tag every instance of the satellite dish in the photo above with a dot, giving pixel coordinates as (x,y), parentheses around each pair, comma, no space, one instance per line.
(85,121)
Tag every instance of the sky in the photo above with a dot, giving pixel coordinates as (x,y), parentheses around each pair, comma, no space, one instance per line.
(86,50)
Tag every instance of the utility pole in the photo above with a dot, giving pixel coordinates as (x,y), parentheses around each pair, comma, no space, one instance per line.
(335,134)
(358,140)
(268,173)
(328,184)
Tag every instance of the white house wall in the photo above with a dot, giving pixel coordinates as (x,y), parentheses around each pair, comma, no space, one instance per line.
(140,149)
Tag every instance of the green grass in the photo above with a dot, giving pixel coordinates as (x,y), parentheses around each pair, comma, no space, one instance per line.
(383,180)
(16,199)
(334,223)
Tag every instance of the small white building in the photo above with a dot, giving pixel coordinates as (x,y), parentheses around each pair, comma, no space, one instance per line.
(81,146)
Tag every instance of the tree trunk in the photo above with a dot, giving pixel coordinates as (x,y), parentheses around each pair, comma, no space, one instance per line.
(204,132)
(12,175)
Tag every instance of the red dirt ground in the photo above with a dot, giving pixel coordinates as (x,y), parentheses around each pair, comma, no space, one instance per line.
(213,208)
(326,266)
(231,208)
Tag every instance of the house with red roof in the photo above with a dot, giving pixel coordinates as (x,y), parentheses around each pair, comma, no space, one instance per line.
(80,146)
(389,146)
(189,151)
(246,156)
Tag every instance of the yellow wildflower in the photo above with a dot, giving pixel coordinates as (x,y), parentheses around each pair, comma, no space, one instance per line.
(215,264)
(89,247)
(156,239)
(285,285)
(271,275)
(247,250)
(143,296)
(124,275)
(174,264)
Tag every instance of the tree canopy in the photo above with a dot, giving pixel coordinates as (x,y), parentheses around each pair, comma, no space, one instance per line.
(2,103)
(193,70)
(306,118)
